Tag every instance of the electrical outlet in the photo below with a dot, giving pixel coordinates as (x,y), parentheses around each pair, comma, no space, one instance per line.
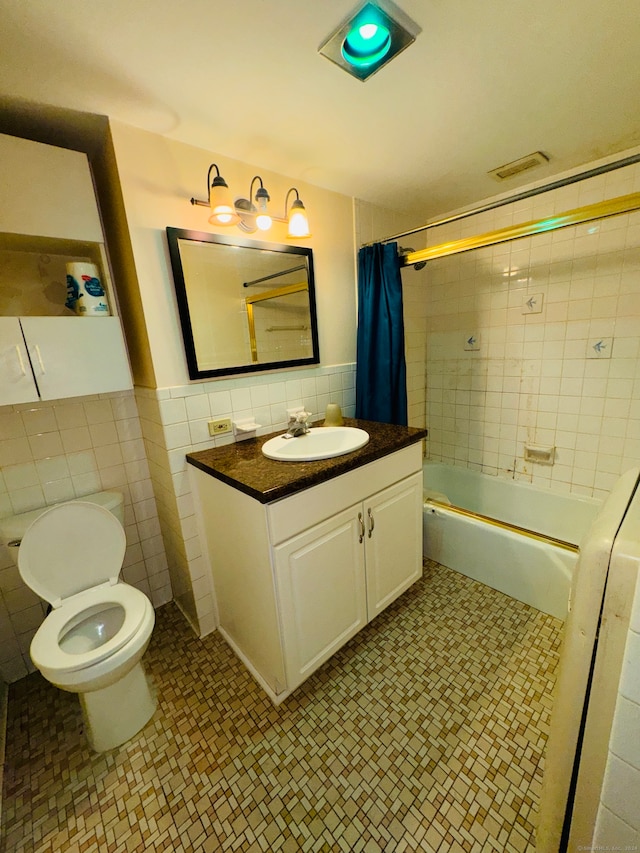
(220,426)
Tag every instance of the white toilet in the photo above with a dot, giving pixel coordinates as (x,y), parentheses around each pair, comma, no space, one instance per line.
(93,640)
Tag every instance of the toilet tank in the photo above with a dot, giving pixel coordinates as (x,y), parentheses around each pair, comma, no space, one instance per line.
(13,527)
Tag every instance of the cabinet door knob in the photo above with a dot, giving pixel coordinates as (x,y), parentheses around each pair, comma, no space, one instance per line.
(361,522)
(372,523)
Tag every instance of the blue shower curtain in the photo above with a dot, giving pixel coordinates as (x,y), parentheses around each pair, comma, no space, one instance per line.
(381,375)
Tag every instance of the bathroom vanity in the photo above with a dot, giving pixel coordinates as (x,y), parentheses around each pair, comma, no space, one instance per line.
(305,554)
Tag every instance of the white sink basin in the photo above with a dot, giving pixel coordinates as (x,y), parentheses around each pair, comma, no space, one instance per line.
(318,443)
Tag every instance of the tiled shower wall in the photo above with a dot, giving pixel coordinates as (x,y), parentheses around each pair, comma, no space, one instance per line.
(55,451)
(554,360)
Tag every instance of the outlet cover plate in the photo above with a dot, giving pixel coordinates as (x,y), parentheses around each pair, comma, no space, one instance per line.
(220,426)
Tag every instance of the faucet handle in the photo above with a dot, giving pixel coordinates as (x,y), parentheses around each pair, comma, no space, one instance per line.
(298,416)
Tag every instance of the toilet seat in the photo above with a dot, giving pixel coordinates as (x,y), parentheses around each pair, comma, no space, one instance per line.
(45,646)
(69,548)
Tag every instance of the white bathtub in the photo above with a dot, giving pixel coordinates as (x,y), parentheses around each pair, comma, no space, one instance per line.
(535,569)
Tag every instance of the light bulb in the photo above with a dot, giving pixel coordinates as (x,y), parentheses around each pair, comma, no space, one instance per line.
(222,209)
(263,221)
(221,218)
(298,222)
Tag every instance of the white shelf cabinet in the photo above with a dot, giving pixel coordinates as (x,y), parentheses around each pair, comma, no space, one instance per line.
(47,353)
(296,579)
(46,191)
(51,358)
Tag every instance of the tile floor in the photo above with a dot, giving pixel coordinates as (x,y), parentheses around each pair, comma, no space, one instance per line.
(425,732)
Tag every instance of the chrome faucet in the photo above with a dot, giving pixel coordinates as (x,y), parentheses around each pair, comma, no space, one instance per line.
(298,425)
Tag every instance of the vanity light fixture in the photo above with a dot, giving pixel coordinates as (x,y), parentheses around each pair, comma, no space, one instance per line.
(297,217)
(251,215)
(220,200)
(370,38)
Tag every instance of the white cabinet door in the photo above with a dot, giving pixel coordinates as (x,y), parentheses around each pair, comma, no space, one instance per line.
(394,542)
(320,580)
(16,379)
(76,356)
(46,191)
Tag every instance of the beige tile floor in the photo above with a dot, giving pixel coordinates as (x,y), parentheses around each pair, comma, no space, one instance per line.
(426,732)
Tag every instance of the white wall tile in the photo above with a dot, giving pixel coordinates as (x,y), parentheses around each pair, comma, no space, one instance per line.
(173,410)
(630,679)
(39,420)
(621,791)
(625,742)
(220,403)
(611,833)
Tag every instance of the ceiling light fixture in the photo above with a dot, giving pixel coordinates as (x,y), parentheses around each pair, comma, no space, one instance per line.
(370,38)
(251,215)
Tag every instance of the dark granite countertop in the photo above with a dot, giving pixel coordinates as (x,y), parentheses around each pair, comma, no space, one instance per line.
(243,465)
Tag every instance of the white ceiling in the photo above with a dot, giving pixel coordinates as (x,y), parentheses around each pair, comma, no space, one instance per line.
(486,82)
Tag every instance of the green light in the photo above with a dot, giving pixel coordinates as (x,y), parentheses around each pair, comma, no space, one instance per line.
(366,44)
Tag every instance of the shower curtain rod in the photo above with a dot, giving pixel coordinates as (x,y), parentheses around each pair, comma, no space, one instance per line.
(588,213)
(553,185)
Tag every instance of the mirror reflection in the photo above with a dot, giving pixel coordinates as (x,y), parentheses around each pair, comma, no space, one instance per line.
(244,306)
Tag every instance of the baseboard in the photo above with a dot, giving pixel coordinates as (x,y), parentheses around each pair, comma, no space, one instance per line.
(186,616)
(276,698)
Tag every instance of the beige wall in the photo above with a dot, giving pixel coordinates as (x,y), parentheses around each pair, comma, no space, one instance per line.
(159,176)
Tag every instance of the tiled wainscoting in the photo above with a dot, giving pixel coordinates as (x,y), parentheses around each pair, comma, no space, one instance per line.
(57,451)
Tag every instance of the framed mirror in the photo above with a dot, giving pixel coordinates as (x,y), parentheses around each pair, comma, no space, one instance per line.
(244,306)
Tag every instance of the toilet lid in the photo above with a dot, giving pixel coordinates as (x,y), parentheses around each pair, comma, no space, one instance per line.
(69,548)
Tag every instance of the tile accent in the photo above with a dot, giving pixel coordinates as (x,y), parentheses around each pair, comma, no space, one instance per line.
(424,733)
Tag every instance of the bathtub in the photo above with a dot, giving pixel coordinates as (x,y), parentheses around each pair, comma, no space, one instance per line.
(517,538)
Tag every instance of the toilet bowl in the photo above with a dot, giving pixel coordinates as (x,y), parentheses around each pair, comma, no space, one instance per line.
(93,640)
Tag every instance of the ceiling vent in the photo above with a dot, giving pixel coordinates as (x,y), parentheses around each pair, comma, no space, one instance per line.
(510,170)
